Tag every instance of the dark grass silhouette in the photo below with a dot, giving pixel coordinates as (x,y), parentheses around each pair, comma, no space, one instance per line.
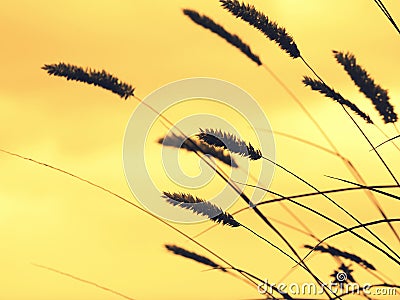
(222,216)
(271,30)
(346,161)
(199,206)
(219,172)
(352,228)
(232,39)
(344,254)
(177,141)
(261,22)
(387,14)
(98,78)
(318,85)
(193,256)
(389,140)
(378,96)
(230,142)
(127,201)
(214,213)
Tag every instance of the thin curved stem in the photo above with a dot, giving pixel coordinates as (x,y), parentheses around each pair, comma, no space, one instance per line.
(334,202)
(350,230)
(355,123)
(352,170)
(242,195)
(269,201)
(122,199)
(271,244)
(376,152)
(84,281)
(387,14)
(389,140)
(337,223)
(366,187)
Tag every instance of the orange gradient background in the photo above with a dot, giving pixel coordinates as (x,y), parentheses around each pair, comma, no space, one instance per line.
(52,219)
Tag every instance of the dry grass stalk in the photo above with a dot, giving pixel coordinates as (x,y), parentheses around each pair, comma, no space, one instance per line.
(89,76)
(193,256)
(201,207)
(230,142)
(232,39)
(179,141)
(339,253)
(84,281)
(321,87)
(367,86)
(261,22)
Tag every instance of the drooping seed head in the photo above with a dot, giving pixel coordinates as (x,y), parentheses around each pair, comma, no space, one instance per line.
(201,207)
(177,141)
(367,85)
(258,20)
(89,76)
(225,140)
(322,88)
(232,39)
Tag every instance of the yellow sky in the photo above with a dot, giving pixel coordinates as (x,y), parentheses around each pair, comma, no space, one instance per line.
(51,219)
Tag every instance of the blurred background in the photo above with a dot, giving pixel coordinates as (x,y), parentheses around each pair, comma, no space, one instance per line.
(51,219)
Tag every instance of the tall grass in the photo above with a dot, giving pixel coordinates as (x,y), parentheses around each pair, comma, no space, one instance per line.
(224,146)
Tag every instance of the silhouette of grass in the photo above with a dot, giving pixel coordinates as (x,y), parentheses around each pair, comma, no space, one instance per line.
(226,178)
(346,161)
(318,85)
(339,253)
(232,39)
(350,229)
(367,86)
(89,76)
(127,202)
(83,281)
(389,140)
(201,207)
(177,141)
(216,141)
(230,142)
(213,212)
(258,20)
(193,256)
(387,14)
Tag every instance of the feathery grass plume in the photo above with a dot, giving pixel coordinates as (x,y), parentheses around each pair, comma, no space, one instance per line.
(367,86)
(339,253)
(194,256)
(230,142)
(89,76)
(261,22)
(201,207)
(179,141)
(232,39)
(321,87)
